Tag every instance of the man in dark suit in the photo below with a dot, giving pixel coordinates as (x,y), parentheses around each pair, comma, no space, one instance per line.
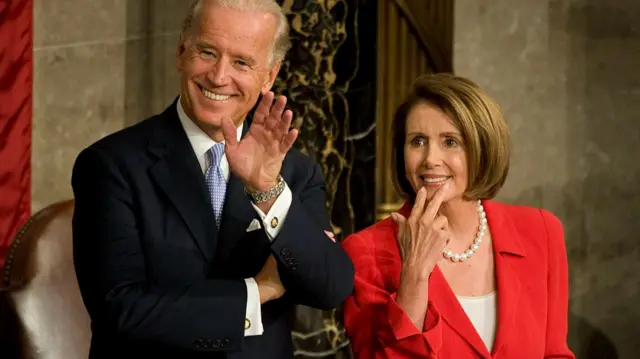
(196,231)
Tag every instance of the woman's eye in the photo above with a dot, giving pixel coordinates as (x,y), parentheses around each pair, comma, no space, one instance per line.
(451,142)
(417,142)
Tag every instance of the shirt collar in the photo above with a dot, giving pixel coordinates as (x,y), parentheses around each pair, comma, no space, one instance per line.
(200,141)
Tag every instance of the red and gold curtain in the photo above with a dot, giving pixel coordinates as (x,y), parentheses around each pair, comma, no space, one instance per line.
(16,80)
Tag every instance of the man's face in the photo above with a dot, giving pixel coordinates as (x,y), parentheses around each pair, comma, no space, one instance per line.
(224,65)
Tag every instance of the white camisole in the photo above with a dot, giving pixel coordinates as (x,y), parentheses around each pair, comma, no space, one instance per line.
(482,313)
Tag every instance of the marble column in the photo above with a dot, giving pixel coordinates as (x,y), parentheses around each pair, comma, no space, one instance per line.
(329,78)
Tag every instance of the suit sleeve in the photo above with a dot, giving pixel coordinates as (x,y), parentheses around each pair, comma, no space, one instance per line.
(558,288)
(111,271)
(314,270)
(376,325)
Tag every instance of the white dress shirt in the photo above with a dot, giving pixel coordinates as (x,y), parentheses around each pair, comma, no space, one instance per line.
(201,143)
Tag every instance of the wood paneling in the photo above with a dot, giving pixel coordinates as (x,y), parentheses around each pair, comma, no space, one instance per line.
(414,37)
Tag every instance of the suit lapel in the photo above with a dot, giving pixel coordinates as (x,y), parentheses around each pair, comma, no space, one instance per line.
(236,217)
(508,253)
(179,176)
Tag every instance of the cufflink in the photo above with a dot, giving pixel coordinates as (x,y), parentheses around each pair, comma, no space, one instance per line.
(247,323)
(274,222)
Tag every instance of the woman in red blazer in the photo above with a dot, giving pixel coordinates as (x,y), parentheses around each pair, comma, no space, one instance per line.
(454,274)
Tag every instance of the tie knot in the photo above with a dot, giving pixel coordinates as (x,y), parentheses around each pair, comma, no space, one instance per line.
(215,154)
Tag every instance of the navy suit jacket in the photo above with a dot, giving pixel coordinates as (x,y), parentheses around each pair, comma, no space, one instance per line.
(156,277)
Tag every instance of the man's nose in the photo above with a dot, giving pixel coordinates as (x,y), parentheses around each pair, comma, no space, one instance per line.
(219,74)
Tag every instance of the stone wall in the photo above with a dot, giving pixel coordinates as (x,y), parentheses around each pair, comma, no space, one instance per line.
(566,74)
(99,66)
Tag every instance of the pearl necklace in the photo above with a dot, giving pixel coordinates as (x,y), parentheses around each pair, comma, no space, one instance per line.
(461,257)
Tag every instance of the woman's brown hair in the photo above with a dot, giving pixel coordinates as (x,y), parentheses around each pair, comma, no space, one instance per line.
(478,118)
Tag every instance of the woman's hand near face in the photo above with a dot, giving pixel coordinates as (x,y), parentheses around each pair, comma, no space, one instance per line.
(423,235)
(421,239)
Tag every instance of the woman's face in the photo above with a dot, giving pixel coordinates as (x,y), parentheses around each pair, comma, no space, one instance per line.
(434,152)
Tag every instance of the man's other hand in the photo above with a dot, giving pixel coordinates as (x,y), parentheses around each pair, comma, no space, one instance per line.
(331,236)
(268,280)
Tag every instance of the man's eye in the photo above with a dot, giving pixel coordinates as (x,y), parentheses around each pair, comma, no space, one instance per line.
(207,54)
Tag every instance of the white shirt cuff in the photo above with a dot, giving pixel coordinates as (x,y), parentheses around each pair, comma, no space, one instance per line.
(273,221)
(253,317)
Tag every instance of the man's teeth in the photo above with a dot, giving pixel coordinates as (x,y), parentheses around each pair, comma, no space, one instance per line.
(213,96)
(434,179)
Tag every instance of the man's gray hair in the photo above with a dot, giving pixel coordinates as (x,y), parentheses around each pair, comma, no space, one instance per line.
(282,41)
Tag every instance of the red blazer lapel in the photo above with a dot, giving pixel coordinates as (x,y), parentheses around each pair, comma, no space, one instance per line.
(447,303)
(508,252)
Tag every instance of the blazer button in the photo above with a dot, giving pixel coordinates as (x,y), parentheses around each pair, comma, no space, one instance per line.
(217,343)
(274,222)
(199,344)
(284,253)
(225,342)
(247,323)
(207,344)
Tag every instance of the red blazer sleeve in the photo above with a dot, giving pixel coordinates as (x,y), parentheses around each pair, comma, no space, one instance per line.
(376,325)
(558,288)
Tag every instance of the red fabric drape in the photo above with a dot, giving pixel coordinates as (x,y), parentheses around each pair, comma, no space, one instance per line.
(16,78)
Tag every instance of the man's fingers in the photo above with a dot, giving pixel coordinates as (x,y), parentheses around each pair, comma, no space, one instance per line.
(331,236)
(288,140)
(275,114)
(272,263)
(263,109)
(285,124)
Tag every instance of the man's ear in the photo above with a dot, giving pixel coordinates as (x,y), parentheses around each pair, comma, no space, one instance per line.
(179,54)
(270,79)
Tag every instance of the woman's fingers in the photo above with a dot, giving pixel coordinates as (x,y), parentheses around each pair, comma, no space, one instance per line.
(434,205)
(418,205)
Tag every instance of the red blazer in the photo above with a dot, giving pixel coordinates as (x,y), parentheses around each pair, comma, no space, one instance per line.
(532,286)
